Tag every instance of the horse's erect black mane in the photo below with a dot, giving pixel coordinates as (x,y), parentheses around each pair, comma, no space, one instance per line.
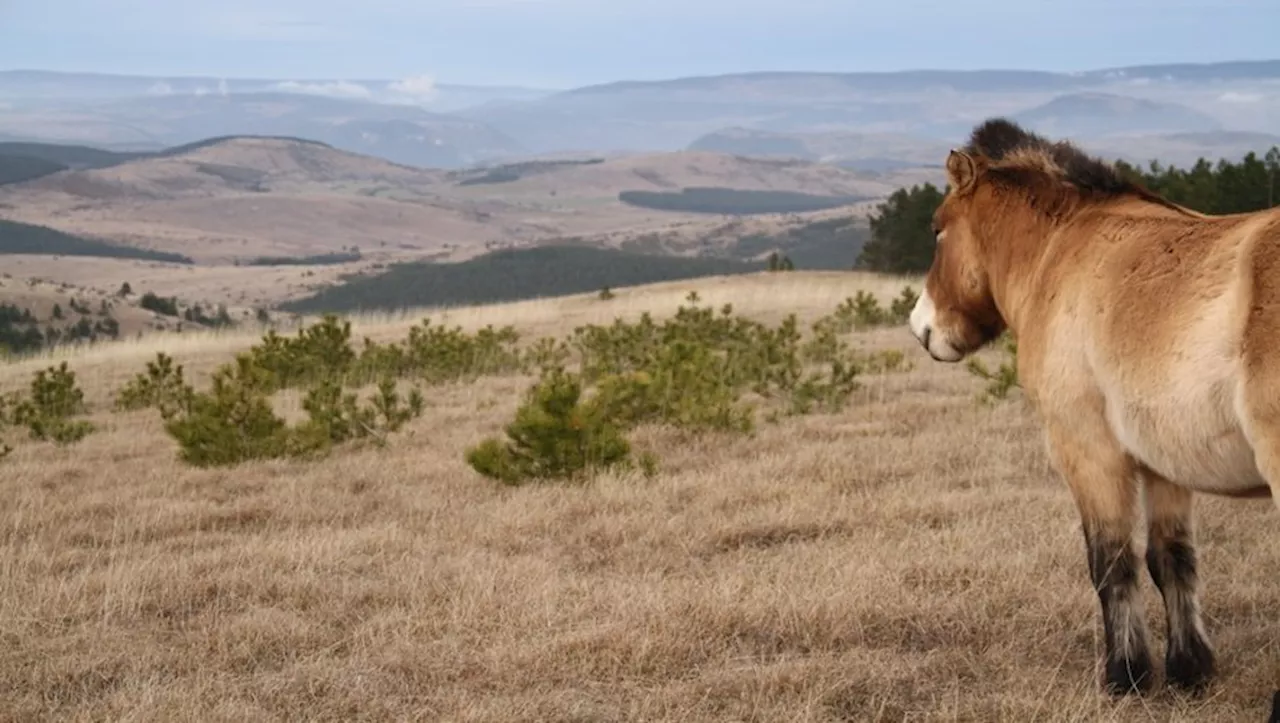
(1000,138)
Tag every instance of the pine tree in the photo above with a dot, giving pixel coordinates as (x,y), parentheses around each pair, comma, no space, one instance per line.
(901,232)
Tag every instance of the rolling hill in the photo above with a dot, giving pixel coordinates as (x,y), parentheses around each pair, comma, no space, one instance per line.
(228,201)
(874,152)
(605,178)
(406,134)
(75,313)
(1107,114)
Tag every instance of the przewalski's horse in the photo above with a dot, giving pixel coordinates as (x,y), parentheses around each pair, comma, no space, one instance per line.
(1148,346)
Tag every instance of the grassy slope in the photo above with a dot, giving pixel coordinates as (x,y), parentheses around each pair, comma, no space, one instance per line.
(912,557)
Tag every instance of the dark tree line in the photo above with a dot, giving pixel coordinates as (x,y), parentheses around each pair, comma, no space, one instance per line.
(510,275)
(336,257)
(734,201)
(901,228)
(26,238)
(20,331)
(1226,187)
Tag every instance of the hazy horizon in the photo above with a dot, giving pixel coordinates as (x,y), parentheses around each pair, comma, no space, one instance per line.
(567,43)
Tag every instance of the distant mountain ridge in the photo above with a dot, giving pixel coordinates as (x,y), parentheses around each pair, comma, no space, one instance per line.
(988,80)
(1106,114)
(404,134)
(419,122)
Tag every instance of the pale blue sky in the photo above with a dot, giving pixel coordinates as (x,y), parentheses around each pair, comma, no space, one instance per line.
(562,43)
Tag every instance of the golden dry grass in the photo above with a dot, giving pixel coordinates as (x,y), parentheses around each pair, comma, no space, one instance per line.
(910,558)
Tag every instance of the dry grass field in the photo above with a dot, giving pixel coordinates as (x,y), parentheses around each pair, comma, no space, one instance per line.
(912,557)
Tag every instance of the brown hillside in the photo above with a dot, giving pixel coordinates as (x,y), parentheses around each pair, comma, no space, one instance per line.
(249,197)
(40,297)
(684,169)
(235,286)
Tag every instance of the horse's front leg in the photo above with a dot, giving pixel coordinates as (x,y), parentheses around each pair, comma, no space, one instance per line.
(1102,479)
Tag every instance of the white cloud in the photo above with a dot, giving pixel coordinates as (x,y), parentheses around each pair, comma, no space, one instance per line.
(160,88)
(417,88)
(1232,96)
(331,89)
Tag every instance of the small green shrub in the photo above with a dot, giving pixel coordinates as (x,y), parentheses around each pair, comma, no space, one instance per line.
(335,417)
(900,308)
(196,315)
(165,306)
(318,353)
(555,435)
(695,371)
(49,411)
(390,411)
(438,355)
(232,422)
(161,386)
(863,311)
(886,361)
(686,386)
(6,418)
(546,353)
(1002,380)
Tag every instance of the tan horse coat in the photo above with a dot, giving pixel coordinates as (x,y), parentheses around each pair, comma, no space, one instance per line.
(1148,345)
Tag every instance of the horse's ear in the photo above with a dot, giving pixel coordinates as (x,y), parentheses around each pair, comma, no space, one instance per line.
(962,170)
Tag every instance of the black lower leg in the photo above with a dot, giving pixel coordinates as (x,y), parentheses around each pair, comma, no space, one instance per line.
(1171,560)
(1113,568)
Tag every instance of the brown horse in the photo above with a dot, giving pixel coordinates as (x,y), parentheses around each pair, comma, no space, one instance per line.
(1146,346)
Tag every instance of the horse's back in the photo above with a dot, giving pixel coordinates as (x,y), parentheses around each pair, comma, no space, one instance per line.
(1164,313)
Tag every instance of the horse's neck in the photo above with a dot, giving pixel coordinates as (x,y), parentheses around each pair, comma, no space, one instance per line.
(1016,268)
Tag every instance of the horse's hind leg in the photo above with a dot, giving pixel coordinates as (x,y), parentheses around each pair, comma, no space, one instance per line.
(1103,482)
(1171,560)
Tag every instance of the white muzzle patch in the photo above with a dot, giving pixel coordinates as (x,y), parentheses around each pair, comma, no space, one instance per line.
(923,322)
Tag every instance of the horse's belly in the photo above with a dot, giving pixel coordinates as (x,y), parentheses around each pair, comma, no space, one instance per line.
(1195,440)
